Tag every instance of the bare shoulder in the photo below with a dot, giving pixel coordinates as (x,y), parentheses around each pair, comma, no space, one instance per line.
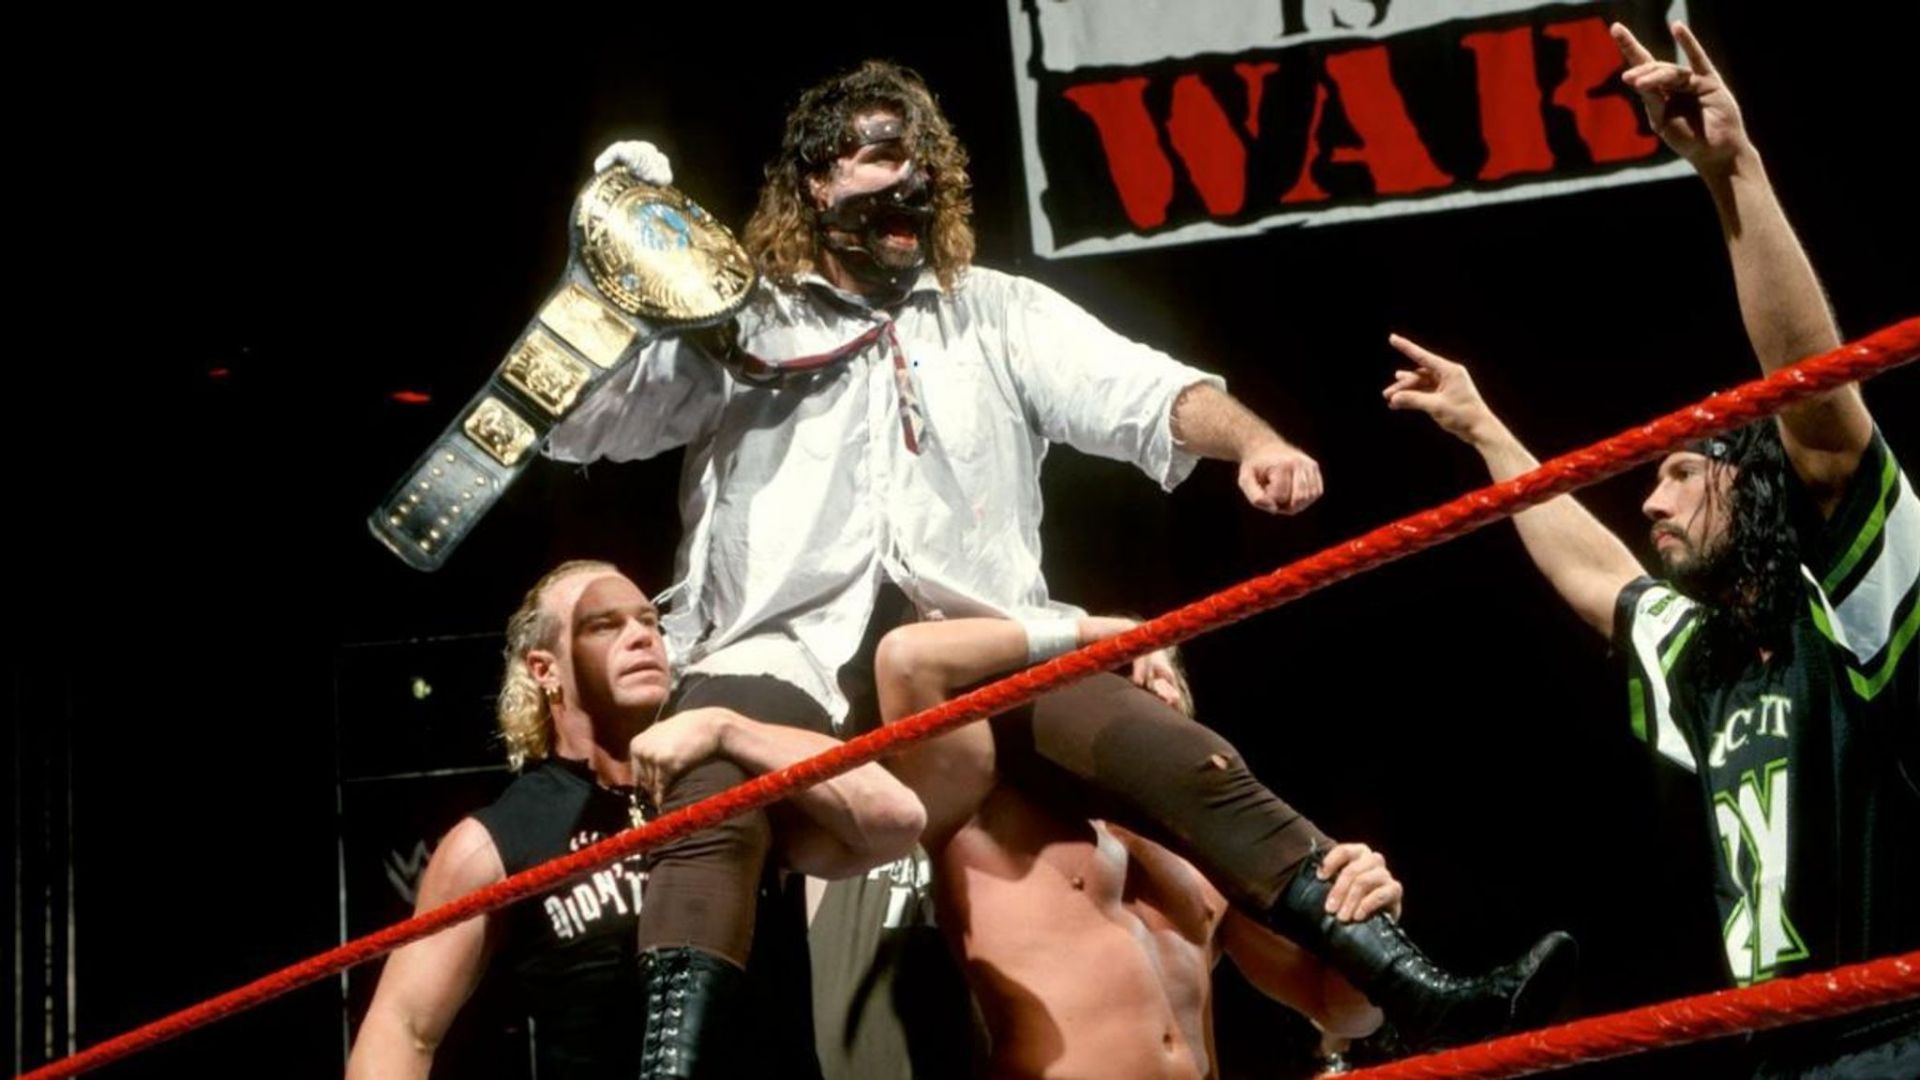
(1009,830)
(466,859)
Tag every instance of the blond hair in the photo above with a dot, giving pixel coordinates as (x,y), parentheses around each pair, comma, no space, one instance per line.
(526,722)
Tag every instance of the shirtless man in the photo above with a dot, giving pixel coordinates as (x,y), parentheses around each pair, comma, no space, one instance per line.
(1089,948)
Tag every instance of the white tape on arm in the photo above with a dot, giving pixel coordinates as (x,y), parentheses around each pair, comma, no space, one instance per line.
(1048,638)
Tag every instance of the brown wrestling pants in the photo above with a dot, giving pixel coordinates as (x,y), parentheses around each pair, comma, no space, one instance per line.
(1100,748)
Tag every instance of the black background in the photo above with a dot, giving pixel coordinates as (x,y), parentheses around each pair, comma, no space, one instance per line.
(331,210)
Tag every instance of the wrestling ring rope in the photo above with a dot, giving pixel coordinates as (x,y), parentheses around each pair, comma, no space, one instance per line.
(1722,1013)
(1669,1023)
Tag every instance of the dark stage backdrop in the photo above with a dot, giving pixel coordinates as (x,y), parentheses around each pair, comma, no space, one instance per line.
(283,224)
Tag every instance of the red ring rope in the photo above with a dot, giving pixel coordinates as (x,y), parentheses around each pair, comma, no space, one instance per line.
(1670,1023)
(1880,351)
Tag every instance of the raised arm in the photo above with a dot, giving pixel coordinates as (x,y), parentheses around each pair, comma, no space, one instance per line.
(425,983)
(1785,311)
(857,820)
(1585,563)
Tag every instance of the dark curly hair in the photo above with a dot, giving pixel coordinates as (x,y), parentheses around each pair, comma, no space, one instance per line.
(780,234)
(1750,580)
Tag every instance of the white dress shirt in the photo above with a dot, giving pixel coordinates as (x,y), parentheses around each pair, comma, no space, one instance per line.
(797,500)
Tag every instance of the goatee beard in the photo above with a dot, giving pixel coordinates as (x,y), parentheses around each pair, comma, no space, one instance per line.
(1703,577)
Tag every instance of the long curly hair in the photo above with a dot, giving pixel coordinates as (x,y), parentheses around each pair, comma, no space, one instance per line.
(780,235)
(1750,580)
(526,723)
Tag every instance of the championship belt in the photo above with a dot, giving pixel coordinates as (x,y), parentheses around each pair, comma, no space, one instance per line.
(643,262)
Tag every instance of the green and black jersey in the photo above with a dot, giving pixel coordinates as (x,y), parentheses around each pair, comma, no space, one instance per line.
(1806,759)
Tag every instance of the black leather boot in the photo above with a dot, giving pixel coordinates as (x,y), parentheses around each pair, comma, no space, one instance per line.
(1430,1006)
(694,1001)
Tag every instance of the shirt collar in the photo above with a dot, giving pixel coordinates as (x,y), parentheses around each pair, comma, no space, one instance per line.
(928,281)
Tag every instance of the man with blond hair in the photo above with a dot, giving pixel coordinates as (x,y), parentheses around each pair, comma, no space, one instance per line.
(585,681)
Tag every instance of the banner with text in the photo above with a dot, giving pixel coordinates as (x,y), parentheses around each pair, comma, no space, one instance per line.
(1153,122)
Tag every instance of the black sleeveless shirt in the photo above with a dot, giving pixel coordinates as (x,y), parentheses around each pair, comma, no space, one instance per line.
(572,953)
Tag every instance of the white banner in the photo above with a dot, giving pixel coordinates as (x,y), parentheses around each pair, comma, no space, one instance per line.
(1153,122)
